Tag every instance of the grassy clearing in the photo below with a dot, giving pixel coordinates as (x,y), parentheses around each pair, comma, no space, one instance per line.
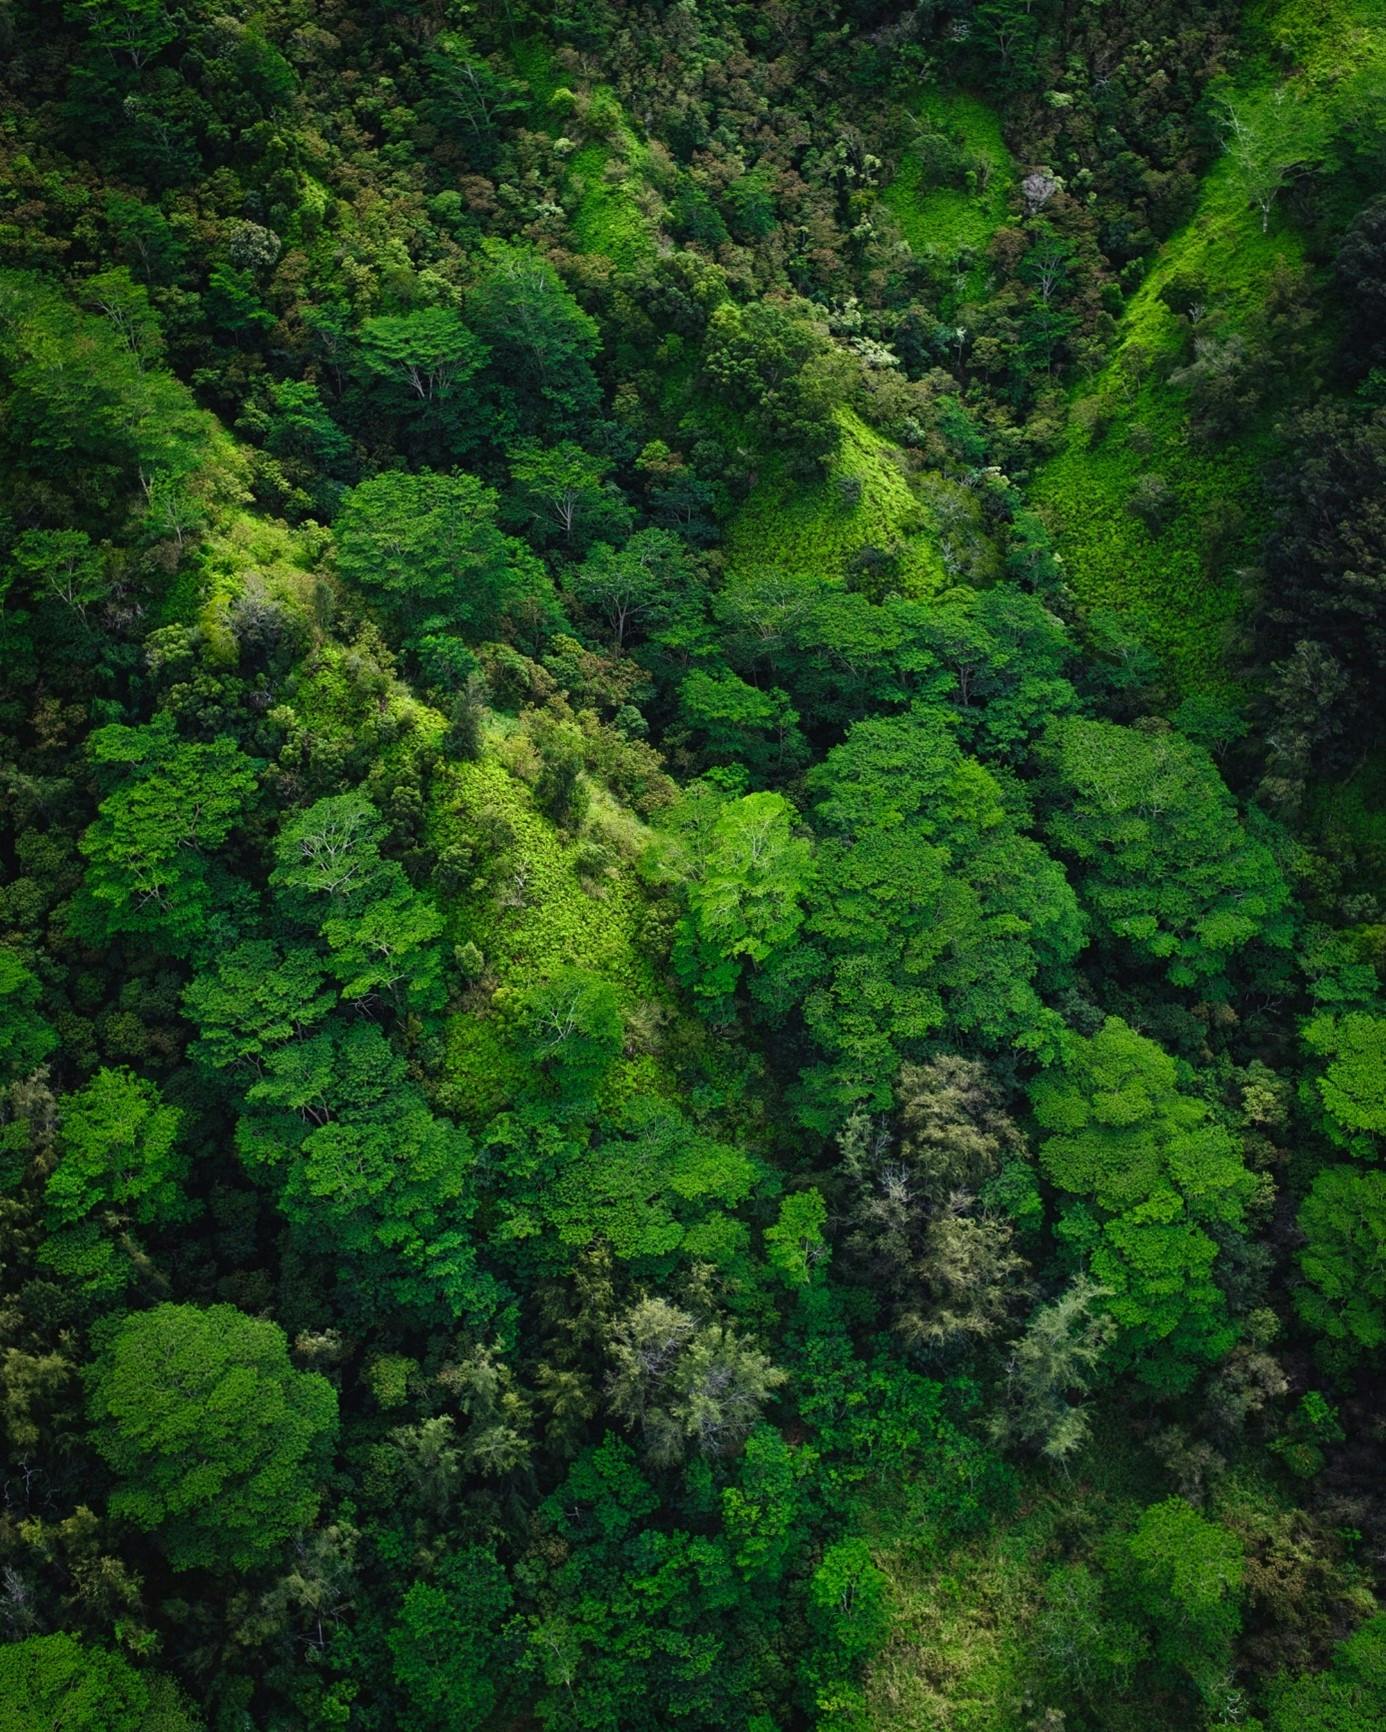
(548,909)
(949,220)
(1181,588)
(615,205)
(790,528)
(961,1657)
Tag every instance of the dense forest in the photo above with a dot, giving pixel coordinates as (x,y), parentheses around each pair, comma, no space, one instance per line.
(692,865)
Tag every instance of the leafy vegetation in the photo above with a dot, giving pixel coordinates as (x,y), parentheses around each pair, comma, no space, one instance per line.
(691,878)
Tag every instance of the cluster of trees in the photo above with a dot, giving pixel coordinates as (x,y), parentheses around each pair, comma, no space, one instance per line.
(577,1102)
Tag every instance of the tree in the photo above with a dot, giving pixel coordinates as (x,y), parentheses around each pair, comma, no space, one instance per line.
(446,1642)
(541,345)
(381,932)
(47,1682)
(469,93)
(684,1383)
(63,564)
(1164,862)
(1154,1171)
(918,1228)
(118,1150)
(1349,1697)
(773,366)
(149,873)
(571,1030)
(730,721)
(428,547)
(848,1604)
(329,853)
(745,893)
(637,589)
(257,997)
(1080,1639)
(1343,1220)
(795,1243)
(429,353)
(1183,1575)
(1326,553)
(1007,656)
(930,917)
(1269,142)
(1350,1092)
(562,492)
(1054,1360)
(25,1038)
(218,1445)
(389,944)
(366,1173)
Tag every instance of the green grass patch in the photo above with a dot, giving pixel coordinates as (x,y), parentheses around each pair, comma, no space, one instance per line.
(792,528)
(945,219)
(1180,588)
(539,909)
(610,217)
(961,1655)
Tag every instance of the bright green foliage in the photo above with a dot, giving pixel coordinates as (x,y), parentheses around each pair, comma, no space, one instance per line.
(570,1028)
(257,997)
(847,1601)
(731,722)
(1350,1696)
(763,1510)
(649,1184)
(1006,654)
(564,495)
(1351,1090)
(1165,864)
(119,1150)
(930,912)
(1185,1578)
(218,1445)
(795,1243)
(389,944)
(798,527)
(1343,1220)
(429,548)
(429,354)
(950,190)
(25,1038)
(329,852)
(381,932)
(446,1642)
(637,588)
(85,413)
(1153,1171)
(149,872)
(1079,1639)
(770,364)
(748,876)
(62,564)
(365,1169)
(52,1682)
